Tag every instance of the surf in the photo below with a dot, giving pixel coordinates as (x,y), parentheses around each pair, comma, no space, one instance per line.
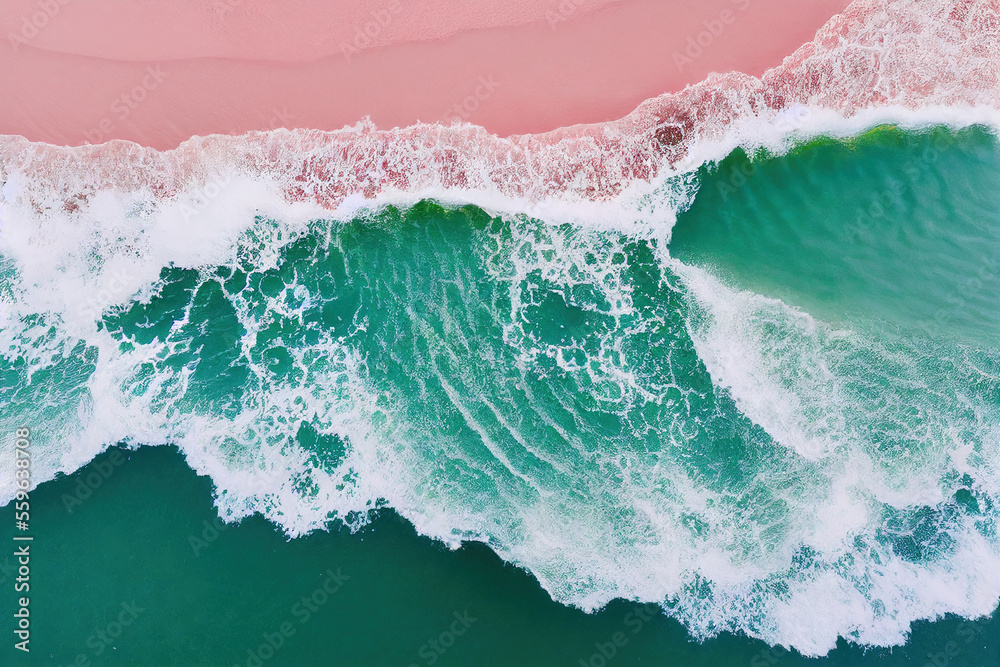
(526,342)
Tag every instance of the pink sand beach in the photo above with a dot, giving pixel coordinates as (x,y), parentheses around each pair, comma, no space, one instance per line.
(75,72)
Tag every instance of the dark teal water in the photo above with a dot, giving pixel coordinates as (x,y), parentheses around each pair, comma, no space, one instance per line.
(783,424)
(131,541)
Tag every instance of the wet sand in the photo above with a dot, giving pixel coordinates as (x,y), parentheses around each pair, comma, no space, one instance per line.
(157,75)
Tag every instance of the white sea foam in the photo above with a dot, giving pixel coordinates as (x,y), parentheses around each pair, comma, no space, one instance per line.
(86,230)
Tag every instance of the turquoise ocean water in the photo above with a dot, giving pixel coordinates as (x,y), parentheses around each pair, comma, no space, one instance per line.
(777,428)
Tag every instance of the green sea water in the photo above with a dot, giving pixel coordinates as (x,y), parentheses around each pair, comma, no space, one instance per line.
(135,541)
(782,423)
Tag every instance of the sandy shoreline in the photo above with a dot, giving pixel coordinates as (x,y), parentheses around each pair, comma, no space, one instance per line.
(878,58)
(128,70)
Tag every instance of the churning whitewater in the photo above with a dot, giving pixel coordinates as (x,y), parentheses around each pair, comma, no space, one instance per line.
(618,422)
(493,337)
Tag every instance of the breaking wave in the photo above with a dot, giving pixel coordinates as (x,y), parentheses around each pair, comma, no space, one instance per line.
(523,363)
